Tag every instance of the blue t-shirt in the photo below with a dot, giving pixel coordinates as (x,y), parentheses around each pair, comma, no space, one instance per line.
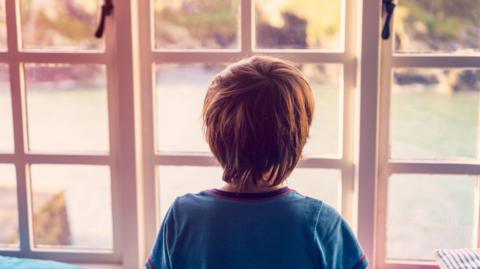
(215,229)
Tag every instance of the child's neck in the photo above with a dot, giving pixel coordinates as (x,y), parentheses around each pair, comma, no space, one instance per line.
(231,188)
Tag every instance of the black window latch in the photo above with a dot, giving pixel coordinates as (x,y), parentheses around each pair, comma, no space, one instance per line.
(107,10)
(389,6)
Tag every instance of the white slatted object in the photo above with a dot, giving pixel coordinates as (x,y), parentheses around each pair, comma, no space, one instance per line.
(458,258)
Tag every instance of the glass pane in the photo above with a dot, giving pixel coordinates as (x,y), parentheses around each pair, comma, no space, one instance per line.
(196,24)
(174,181)
(179,104)
(6,116)
(292,24)
(323,184)
(60,24)
(67,107)
(326,83)
(434,113)
(425,26)
(8,207)
(437,213)
(71,206)
(3,26)
(179,107)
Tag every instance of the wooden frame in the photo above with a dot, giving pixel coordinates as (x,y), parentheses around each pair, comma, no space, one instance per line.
(364,163)
(344,57)
(387,166)
(123,157)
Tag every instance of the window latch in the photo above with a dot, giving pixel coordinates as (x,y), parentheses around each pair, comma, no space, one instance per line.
(389,6)
(107,10)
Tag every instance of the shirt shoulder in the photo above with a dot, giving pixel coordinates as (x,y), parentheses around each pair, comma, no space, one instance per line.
(192,201)
(339,247)
(335,241)
(320,214)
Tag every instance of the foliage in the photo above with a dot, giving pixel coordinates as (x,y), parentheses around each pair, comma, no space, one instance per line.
(323,18)
(204,23)
(444,25)
(69,23)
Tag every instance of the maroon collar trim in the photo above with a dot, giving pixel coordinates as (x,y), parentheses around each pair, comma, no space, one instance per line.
(250,196)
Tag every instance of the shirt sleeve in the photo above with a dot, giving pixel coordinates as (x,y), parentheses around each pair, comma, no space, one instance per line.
(160,255)
(338,245)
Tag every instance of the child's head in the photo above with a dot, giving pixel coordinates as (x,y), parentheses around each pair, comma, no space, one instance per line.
(257,114)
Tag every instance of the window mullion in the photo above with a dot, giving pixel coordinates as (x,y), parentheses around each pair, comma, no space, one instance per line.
(68,159)
(246,27)
(227,56)
(61,57)
(367,136)
(349,21)
(208,160)
(12,23)
(476,222)
(383,173)
(476,215)
(439,61)
(19,127)
(148,130)
(123,90)
(113,98)
(433,168)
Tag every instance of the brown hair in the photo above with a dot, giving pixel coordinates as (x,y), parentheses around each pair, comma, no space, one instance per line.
(257,114)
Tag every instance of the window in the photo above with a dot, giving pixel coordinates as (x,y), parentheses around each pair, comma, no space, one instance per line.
(429,141)
(194,40)
(109,131)
(60,141)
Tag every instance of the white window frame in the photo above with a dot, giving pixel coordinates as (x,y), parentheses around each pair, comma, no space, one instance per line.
(150,57)
(389,60)
(122,158)
(367,63)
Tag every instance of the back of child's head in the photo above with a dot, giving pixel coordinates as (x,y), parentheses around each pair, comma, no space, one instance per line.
(257,114)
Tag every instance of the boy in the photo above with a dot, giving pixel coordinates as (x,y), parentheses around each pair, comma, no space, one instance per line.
(257,114)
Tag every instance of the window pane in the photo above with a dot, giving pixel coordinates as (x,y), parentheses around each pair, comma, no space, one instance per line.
(199,24)
(437,213)
(67,107)
(179,104)
(179,107)
(8,207)
(58,24)
(291,24)
(434,113)
(323,184)
(71,206)
(6,120)
(326,83)
(437,26)
(174,181)
(3,26)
